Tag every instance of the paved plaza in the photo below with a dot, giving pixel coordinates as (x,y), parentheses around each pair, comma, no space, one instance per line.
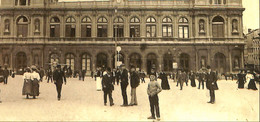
(81,102)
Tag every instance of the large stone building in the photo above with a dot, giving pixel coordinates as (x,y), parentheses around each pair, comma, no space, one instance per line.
(151,33)
(252,51)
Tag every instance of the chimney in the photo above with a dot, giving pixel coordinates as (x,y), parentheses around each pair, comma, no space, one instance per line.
(249,30)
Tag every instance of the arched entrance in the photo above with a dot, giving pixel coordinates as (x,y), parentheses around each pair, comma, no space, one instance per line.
(102,60)
(167,62)
(70,61)
(135,60)
(220,62)
(86,62)
(21,61)
(185,61)
(151,62)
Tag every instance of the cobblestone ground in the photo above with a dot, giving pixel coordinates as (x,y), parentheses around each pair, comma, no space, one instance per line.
(81,102)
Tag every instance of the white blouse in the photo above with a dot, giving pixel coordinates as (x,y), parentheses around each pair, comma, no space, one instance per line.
(35,75)
(27,75)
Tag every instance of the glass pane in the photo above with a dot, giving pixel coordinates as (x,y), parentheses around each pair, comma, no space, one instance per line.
(180,32)
(186,32)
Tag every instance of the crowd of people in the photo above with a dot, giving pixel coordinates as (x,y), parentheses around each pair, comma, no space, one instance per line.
(106,78)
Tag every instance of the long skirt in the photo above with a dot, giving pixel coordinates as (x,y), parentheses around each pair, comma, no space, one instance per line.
(98,84)
(27,87)
(252,85)
(165,84)
(35,88)
(193,83)
(241,84)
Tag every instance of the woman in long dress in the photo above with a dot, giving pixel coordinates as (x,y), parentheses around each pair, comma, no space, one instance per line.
(98,82)
(27,86)
(241,80)
(251,84)
(35,77)
(165,84)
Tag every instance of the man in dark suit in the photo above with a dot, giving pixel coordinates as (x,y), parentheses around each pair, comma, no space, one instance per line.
(134,83)
(108,87)
(124,83)
(59,77)
(6,74)
(211,84)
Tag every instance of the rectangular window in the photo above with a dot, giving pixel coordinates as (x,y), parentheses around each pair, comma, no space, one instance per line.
(55,31)
(70,31)
(218,30)
(167,30)
(183,31)
(134,31)
(22,30)
(86,31)
(102,30)
(150,31)
(119,30)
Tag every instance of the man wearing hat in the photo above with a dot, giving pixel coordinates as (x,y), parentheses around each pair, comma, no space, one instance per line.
(211,84)
(124,83)
(134,83)
(6,74)
(59,77)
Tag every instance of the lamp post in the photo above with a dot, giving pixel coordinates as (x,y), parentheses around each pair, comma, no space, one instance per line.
(116,42)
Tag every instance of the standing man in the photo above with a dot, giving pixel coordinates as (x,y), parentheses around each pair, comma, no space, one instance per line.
(49,75)
(211,84)
(134,82)
(201,79)
(108,87)
(59,77)
(124,83)
(6,74)
(41,73)
(83,74)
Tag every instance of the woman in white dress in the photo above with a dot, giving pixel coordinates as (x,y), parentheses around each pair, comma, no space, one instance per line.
(98,81)
(27,86)
(251,81)
(35,77)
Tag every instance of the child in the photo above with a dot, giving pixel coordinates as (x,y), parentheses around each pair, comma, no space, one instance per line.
(153,89)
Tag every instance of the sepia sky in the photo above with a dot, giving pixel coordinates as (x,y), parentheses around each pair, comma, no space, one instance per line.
(251,14)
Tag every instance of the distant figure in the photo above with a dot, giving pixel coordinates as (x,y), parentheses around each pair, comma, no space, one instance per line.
(142,76)
(98,81)
(41,73)
(251,80)
(6,75)
(192,79)
(134,83)
(153,90)
(107,87)
(35,77)
(27,85)
(211,84)
(117,76)
(59,77)
(83,74)
(124,83)
(165,84)
(49,75)
(241,79)
(202,78)
(114,76)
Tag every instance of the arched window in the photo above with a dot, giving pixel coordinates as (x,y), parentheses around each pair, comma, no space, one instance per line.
(234,26)
(201,26)
(70,27)
(185,61)
(21,61)
(55,27)
(134,27)
(151,62)
(150,27)
(7,27)
(36,25)
(101,60)
(183,28)
(86,62)
(135,60)
(70,60)
(86,27)
(118,27)
(22,26)
(167,62)
(167,27)
(102,27)
(218,27)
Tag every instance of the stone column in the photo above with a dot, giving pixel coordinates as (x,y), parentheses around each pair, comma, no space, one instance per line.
(144,64)
(230,59)
(242,59)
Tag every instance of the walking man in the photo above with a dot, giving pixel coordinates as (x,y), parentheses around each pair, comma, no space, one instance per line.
(211,84)
(124,83)
(134,82)
(59,77)
(6,74)
(108,87)
(201,79)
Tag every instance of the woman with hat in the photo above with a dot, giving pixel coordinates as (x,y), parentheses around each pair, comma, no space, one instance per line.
(27,86)
(241,79)
(35,77)
(251,80)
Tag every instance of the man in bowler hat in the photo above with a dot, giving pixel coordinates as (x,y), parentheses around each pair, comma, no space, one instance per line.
(59,77)
(211,84)
(124,83)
